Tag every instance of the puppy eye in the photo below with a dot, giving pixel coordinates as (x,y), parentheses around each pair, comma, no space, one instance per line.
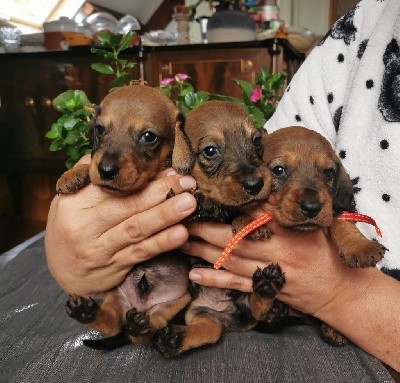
(279,171)
(328,173)
(100,130)
(257,141)
(149,137)
(210,151)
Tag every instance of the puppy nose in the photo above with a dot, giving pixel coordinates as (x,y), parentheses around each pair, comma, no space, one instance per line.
(108,170)
(310,208)
(253,185)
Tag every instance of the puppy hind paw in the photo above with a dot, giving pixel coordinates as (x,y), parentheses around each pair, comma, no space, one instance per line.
(168,341)
(137,323)
(277,313)
(269,281)
(332,336)
(82,309)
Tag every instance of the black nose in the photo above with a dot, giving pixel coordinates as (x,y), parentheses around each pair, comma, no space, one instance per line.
(108,169)
(310,208)
(253,185)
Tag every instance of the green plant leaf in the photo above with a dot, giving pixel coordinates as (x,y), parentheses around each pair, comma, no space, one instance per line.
(102,68)
(103,53)
(121,79)
(57,144)
(126,41)
(104,38)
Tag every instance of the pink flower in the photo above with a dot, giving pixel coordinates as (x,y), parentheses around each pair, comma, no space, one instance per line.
(181,76)
(256,95)
(167,81)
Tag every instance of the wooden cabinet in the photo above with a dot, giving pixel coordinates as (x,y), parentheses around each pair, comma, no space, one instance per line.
(212,67)
(30,81)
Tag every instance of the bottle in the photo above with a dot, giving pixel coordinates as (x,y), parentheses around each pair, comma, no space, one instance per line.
(270,14)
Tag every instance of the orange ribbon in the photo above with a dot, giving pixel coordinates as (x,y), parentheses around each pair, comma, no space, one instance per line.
(354,217)
(357,217)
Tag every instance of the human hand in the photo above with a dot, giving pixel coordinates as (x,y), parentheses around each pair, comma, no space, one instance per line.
(94,238)
(313,271)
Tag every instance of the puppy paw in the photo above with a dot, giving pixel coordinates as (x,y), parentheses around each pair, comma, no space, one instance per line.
(277,313)
(366,254)
(82,309)
(73,180)
(331,336)
(269,281)
(137,323)
(259,234)
(168,341)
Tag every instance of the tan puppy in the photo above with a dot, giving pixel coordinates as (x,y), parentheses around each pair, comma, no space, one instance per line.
(309,190)
(132,138)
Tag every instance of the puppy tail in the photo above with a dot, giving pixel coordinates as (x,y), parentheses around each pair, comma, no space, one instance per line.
(110,343)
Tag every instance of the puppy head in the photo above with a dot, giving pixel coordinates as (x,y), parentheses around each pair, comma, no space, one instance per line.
(220,147)
(309,184)
(132,138)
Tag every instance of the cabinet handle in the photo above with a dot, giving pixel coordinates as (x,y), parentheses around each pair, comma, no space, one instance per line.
(166,68)
(46,102)
(30,101)
(247,65)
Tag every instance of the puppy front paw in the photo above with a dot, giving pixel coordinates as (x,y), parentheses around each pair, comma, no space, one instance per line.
(168,341)
(260,234)
(73,180)
(137,323)
(367,253)
(269,281)
(82,309)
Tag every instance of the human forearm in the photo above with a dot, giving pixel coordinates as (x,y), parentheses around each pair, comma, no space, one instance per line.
(366,309)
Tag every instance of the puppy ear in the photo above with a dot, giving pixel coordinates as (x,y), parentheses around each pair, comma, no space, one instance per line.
(182,154)
(91,132)
(342,193)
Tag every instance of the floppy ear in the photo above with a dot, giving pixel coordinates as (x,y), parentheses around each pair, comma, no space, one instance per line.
(342,193)
(182,154)
(91,133)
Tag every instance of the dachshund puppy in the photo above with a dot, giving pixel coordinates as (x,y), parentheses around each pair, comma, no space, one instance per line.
(132,138)
(309,190)
(220,147)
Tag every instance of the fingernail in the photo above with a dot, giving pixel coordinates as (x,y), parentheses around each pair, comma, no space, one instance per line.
(187,182)
(172,172)
(193,276)
(184,203)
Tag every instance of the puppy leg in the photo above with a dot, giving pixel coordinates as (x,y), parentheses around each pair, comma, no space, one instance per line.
(355,249)
(140,326)
(105,318)
(266,284)
(201,330)
(73,179)
(332,336)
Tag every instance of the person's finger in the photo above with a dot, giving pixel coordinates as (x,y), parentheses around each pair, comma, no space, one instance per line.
(221,279)
(165,240)
(143,225)
(114,210)
(245,266)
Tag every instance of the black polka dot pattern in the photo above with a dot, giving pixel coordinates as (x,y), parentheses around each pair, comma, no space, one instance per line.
(337,117)
(369,84)
(330,98)
(297,118)
(340,58)
(384,144)
(386,197)
(361,48)
(311,100)
(342,154)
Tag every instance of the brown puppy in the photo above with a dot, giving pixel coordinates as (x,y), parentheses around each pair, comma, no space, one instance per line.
(220,147)
(132,138)
(309,189)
